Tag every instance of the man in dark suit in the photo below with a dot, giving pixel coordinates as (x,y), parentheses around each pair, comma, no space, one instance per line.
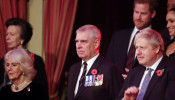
(93,78)
(121,42)
(154,78)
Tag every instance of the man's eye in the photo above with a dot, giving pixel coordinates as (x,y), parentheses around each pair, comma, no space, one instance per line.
(84,41)
(7,65)
(14,64)
(12,34)
(171,21)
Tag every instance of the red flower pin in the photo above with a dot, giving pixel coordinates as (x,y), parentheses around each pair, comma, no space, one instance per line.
(32,55)
(160,72)
(28,89)
(94,71)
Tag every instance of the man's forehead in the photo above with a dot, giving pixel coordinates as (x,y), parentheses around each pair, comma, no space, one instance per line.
(139,8)
(81,38)
(82,35)
(141,40)
(171,1)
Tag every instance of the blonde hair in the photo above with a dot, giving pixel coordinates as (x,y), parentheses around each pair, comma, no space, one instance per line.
(152,36)
(22,57)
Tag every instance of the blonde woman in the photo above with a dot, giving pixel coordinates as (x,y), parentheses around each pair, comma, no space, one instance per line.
(20,70)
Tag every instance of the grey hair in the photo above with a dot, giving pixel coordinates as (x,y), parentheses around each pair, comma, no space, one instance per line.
(22,57)
(152,36)
(92,29)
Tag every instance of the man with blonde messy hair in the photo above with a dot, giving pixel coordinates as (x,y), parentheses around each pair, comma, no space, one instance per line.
(154,78)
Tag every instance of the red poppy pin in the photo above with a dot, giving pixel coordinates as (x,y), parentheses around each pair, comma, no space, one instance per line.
(94,71)
(32,55)
(28,89)
(160,72)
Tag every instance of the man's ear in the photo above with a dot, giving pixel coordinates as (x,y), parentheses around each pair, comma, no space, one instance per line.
(96,43)
(153,14)
(157,49)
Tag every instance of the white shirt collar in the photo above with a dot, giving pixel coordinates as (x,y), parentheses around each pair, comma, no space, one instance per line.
(155,65)
(90,62)
(136,29)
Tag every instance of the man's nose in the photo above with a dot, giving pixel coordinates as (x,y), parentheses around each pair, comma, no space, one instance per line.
(138,16)
(137,51)
(7,37)
(78,44)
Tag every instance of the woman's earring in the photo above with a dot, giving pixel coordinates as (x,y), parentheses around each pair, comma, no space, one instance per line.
(21,42)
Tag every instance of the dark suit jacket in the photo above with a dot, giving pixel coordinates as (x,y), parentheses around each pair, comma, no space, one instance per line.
(118,48)
(160,87)
(112,82)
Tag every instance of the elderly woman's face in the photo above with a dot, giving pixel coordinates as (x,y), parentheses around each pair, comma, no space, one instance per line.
(13,70)
(170,18)
(13,39)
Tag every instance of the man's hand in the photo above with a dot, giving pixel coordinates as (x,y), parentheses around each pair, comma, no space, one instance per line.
(131,93)
(124,75)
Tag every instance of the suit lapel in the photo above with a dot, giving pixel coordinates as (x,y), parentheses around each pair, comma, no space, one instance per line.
(136,63)
(136,76)
(95,65)
(139,76)
(127,37)
(155,77)
(75,76)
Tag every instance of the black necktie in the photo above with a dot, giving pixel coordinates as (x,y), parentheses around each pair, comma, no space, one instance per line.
(82,79)
(144,85)
(131,54)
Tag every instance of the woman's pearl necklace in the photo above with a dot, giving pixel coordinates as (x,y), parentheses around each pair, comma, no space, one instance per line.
(20,85)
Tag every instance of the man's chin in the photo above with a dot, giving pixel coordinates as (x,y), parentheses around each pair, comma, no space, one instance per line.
(141,62)
(139,26)
(81,56)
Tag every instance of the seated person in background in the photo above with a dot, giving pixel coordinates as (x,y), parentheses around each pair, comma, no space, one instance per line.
(154,78)
(171,28)
(20,70)
(19,33)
